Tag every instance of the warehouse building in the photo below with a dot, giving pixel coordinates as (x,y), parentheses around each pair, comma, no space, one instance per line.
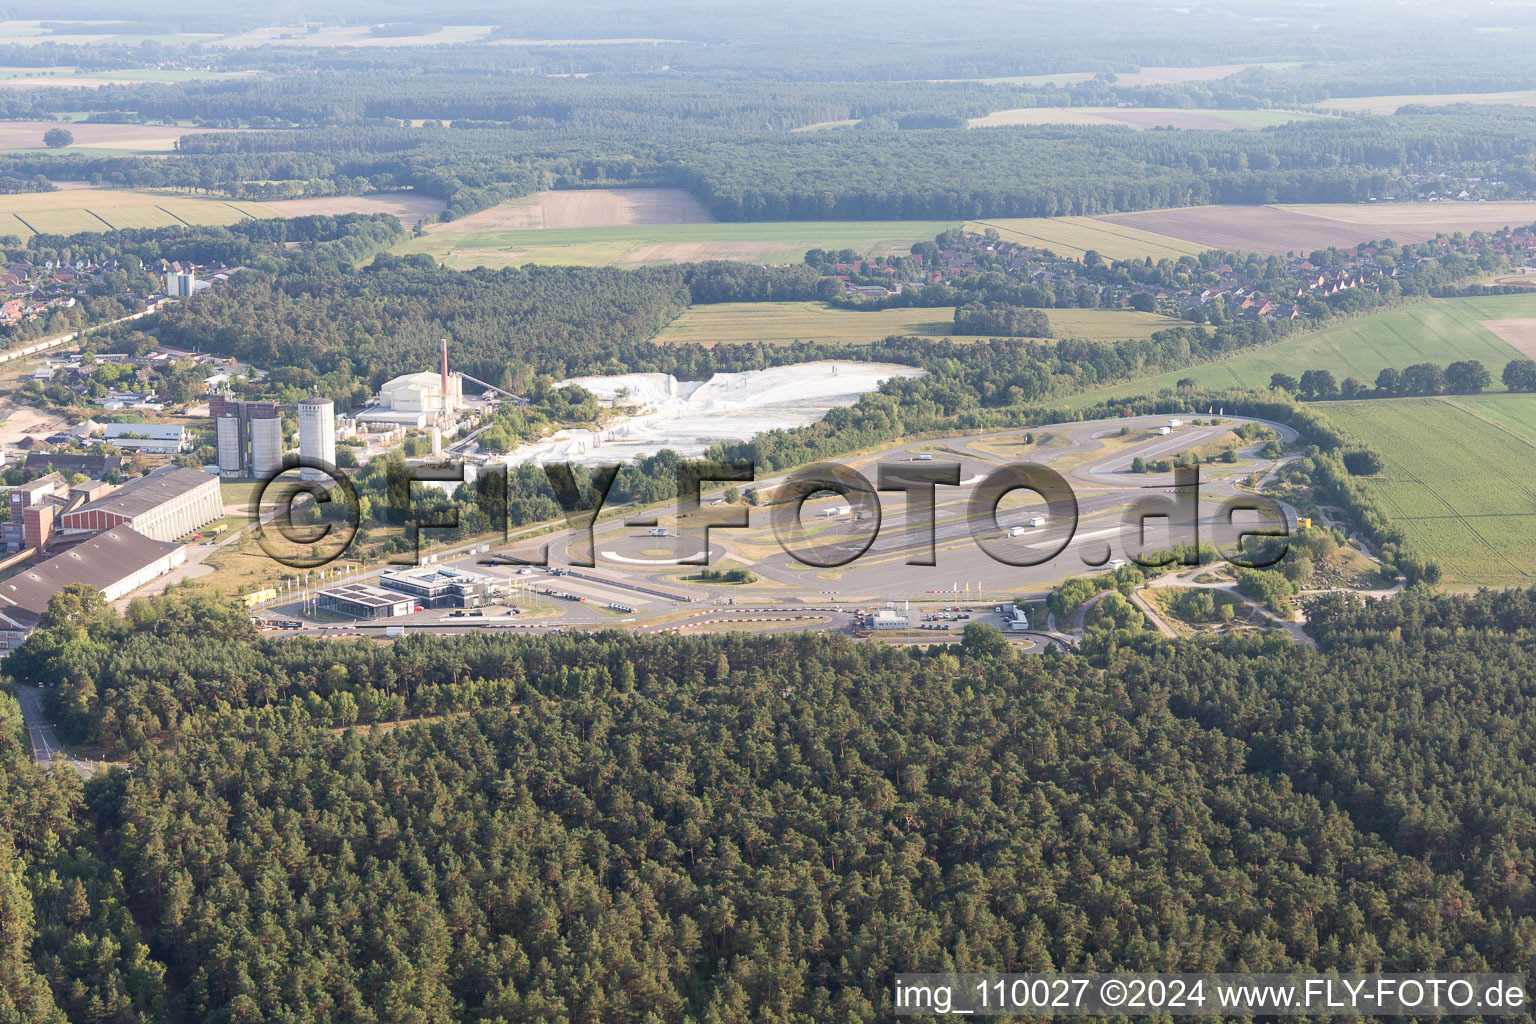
(169,503)
(117,563)
(156,438)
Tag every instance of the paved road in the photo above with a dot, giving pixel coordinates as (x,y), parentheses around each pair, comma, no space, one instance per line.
(46,748)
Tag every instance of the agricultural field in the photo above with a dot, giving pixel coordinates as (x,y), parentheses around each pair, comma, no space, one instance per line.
(1438,331)
(100,209)
(111,138)
(1141,76)
(785,322)
(1073,236)
(771,242)
(1144,117)
(1303,228)
(1460,479)
(583,208)
(406,206)
(74,78)
(88,209)
(82,33)
(1390,104)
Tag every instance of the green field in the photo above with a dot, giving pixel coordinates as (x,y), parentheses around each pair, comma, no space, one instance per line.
(72,210)
(784,322)
(768,242)
(1438,331)
(1460,479)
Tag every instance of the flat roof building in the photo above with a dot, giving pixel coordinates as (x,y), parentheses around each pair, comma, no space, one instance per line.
(169,503)
(439,586)
(160,438)
(364,601)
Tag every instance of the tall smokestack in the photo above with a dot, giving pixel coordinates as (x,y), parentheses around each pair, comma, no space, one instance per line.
(445,375)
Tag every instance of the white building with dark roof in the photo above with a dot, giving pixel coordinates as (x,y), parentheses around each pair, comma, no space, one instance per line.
(169,503)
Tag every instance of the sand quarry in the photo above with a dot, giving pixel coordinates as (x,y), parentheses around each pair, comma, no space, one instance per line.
(662,412)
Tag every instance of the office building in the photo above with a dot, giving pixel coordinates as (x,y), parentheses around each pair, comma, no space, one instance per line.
(434,586)
(364,601)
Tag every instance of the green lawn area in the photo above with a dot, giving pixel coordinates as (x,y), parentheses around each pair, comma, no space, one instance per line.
(1460,479)
(785,322)
(1438,331)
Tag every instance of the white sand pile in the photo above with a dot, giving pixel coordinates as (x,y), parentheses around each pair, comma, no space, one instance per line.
(689,416)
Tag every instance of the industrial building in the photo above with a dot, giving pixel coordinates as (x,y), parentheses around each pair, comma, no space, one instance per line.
(180,284)
(155,438)
(249,436)
(418,399)
(117,562)
(317,435)
(38,506)
(364,601)
(266,438)
(91,465)
(164,505)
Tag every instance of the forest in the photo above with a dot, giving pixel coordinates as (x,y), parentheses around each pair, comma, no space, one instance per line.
(738,828)
(878,171)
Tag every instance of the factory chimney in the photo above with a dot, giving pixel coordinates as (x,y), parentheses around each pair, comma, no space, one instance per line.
(445,375)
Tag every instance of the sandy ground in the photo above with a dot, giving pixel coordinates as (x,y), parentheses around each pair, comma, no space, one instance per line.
(18,421)
(588,208)
(1282,229)
(29,134)
(407,206)
(1518,332)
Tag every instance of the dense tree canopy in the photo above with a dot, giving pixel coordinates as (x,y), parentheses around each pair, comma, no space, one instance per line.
(734,827)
